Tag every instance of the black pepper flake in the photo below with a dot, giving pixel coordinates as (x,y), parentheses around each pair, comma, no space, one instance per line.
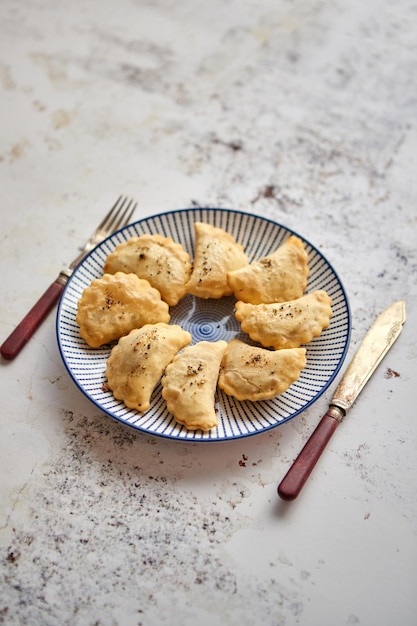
(12,556)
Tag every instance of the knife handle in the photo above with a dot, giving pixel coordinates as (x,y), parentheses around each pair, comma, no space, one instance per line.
(300,470)
(32,320)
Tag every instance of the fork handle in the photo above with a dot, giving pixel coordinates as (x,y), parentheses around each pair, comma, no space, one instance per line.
(24,331)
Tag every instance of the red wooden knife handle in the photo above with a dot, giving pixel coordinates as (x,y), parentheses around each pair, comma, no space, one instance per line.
(24,331)
(300,470)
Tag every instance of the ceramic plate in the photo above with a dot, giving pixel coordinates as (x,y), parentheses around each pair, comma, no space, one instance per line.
(207,320)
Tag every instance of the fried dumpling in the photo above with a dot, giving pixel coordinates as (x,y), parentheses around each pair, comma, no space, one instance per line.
(278,277)
(161,261)
(286,324)
(253,373)
(137,362)
(189,384)
(114,304)
(216,253)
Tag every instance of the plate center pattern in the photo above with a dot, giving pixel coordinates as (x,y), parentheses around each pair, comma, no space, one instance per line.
(207,320)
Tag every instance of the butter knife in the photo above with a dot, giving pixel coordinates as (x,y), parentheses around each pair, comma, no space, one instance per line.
(375,345)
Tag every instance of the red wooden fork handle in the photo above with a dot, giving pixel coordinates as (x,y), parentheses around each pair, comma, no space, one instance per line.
(24,331)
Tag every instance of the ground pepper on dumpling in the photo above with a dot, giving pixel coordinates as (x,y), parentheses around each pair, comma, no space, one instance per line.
(114,304)
(216,253)
(277,277)
(160,260)
(253,373)
(286,324)
(137,362)
(190,382)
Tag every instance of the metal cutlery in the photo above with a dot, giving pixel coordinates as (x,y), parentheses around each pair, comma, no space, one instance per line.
(119,215)
(375,345)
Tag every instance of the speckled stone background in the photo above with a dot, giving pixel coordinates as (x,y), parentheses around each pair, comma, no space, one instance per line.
(303,112)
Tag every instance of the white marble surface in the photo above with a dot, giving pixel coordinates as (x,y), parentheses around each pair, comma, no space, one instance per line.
(304,112)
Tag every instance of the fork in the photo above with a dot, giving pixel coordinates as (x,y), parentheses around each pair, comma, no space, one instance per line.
(118,216)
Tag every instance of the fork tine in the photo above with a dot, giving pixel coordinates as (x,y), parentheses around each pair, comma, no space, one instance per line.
(125,216)
(114,210)
(119,215)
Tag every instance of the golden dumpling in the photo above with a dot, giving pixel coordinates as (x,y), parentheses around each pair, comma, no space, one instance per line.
(286,324)
(190,382)
(216,253)
(253,373)
(278,277)
(113,305)
(137,362)
(160,260)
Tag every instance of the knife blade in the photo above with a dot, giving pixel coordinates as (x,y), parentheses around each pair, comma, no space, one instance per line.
(375,345)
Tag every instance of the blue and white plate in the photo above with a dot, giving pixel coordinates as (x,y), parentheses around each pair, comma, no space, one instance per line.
(208,320)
